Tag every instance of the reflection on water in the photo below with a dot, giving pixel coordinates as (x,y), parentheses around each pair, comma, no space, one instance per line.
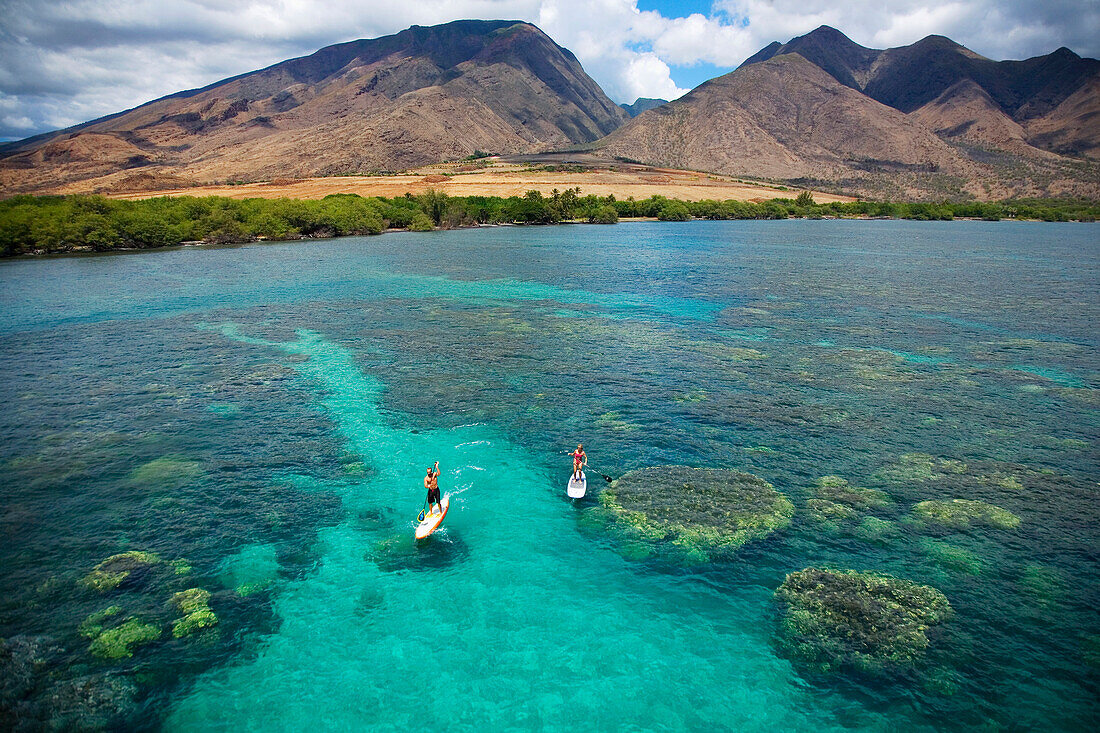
(264,438)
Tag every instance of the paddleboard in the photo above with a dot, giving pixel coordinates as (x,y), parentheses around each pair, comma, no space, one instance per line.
(576,488)
(432,521)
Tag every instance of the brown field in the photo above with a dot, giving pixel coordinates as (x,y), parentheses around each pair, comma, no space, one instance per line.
(500,178)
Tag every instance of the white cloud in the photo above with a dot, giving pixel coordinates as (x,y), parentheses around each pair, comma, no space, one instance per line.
(648,76)
(999,29)
(68,62)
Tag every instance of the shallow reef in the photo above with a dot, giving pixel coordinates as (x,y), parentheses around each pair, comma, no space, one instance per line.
(698,513)
(119,642)
(823,510)
(951,557)
(195,605)
(877,531)
(198,620)
(22,660)
(93,625)
(191,600)
(837,490)
(964,513)
(840,620)
(614,421)
(32,697)
(120,568)
(166,472)
(920,467)
(841,508)
(251,569)
(100,701)
(402,551)
(1043,585)
(692,396)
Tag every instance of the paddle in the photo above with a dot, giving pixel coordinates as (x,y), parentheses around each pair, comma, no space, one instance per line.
(606,478)
(423,512)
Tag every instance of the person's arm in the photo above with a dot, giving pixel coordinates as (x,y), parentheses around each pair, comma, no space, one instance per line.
(437,468)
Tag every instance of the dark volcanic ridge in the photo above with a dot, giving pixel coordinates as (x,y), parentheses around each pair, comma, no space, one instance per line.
(910,78)
(642,104)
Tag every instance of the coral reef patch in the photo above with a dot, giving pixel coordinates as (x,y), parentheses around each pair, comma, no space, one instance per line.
(118,569)
(166,472)
(951,557)
(96,622)
(401,551)
(838,620)
(121,641)
(195,605)
(920,467)
(698,513)
(964,513)
(838,490)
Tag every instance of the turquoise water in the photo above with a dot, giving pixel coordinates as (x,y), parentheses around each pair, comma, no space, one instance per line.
(266,413)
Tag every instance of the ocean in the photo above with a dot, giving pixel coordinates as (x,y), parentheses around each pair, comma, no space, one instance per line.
(259,419)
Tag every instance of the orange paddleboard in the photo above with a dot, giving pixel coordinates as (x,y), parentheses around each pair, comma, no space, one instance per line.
(433,520)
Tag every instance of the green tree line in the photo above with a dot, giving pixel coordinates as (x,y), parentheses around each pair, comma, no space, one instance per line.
(30,224)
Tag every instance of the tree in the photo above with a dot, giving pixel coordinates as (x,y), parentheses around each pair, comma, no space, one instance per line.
(605,214)
(434,204)
(673,211)
(804,199)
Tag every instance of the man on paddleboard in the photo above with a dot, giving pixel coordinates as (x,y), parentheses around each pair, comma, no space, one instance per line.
(431,483)
(579,461)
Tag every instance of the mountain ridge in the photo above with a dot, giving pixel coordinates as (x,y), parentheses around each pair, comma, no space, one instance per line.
(780,110)
(415,97)
(933,119)
(1023,89)
(642,104)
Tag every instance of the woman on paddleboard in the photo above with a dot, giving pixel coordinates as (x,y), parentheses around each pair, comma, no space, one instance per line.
(431,483)
(580,460)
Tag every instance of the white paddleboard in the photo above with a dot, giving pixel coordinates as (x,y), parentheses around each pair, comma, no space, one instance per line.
(432,521)
(577,488)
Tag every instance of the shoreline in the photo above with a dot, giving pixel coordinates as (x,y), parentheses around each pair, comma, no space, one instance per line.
(88,251)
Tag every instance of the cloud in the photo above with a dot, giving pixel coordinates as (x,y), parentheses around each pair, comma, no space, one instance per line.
(62,63)
(998,29)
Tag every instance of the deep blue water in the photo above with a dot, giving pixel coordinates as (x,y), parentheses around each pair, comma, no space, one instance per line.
(266,413)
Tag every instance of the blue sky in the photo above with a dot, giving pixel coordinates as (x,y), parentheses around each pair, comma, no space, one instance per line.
(676,8)
(62,63)
(689,77)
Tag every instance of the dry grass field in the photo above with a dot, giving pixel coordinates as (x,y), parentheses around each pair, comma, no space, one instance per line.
(494,178)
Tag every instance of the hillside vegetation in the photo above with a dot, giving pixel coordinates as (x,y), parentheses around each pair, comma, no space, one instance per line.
(58,224)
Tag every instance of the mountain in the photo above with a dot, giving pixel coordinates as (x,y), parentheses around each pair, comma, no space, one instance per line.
(910,78)
(966,112)
(642,104)
(932,120)
(1073,127)
(420,96)
(783,118)
(846,61)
